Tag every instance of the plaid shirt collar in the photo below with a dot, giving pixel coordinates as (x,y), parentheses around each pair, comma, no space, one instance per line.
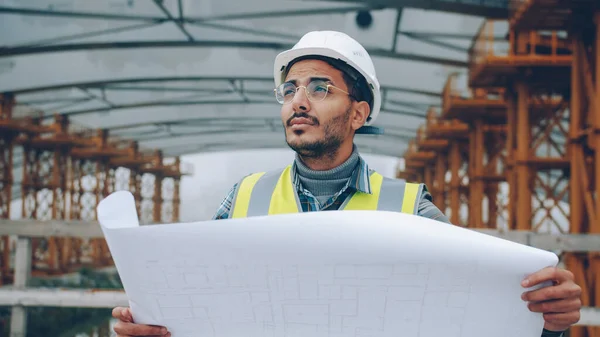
(359,180)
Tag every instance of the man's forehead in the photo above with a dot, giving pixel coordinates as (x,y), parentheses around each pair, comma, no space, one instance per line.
(312,68)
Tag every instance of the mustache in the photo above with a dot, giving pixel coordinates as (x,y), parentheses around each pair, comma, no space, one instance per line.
(313,119)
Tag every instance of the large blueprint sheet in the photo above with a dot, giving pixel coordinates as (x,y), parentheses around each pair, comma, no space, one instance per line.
(350,273)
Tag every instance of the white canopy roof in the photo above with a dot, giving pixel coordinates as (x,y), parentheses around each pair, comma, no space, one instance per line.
(193,76)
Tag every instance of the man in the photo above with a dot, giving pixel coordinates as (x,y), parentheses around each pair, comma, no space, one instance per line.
(329,92)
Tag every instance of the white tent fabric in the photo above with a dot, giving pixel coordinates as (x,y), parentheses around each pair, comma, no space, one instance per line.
(196,76)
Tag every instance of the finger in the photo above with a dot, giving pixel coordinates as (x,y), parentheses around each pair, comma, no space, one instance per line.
(117,312)
(565,318)
(126,315)
(561,291)
(547,274)
(557,306)
(132,329)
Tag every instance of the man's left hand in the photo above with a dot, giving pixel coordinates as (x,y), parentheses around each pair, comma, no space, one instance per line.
(560,303)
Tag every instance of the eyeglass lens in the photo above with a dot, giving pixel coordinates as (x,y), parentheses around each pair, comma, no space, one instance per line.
(315,91)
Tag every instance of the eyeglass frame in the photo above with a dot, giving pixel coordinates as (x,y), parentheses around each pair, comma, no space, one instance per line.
(306,91)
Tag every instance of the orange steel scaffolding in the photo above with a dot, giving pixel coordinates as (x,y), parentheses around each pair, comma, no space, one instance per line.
(89,185)
(553,122)
(534,72)
(417,160)
(485,112)
(537,57)
(45,190)
(11,126)
(443,147)
(584,150)
(67,169)
(437,187)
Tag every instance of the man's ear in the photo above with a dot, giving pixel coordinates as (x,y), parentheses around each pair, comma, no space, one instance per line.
(362,110)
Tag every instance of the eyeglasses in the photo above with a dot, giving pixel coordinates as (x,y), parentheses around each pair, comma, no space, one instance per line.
(316,91)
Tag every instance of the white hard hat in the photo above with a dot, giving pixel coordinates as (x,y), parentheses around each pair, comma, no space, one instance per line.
(338,46)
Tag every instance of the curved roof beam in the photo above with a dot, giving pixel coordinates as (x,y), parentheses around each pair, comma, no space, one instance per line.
(212,115)
(105,83)
(179,102)
(185,19)
(164,133)
(68,47)
(389,145)
(485,8)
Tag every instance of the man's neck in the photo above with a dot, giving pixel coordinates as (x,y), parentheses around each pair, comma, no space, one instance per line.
(328,161)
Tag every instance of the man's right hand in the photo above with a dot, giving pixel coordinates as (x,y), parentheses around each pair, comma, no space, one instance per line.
(125,326)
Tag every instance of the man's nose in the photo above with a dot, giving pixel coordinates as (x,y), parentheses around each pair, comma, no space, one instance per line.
(300,101)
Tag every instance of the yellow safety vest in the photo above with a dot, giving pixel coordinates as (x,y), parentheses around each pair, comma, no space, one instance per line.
(271,193)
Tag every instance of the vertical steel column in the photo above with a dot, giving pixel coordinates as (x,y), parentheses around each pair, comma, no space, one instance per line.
(103,188)
(455,164)
(575,126)
(157,197)
(176,199)
(439,185)
(45,166)
(595,226)
(58,188)
(522,157)
(6,166)
(511,172)
(495,173)
(596,121)
(176,196)
(575,262)
(575,149)
(6,154)
(473,210)
(476,183)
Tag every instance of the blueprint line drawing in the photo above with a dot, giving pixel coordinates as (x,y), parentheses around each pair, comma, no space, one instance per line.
(334,274)
(350,300)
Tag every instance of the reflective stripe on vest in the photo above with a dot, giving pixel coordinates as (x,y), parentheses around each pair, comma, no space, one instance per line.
(274,193)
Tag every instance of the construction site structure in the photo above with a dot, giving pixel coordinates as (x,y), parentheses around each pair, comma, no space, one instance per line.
(533,110)
(66,171)
(484,111)
(441,146)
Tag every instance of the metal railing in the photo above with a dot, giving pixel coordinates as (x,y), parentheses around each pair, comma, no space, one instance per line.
(454,91)
(485,45)
(532,46)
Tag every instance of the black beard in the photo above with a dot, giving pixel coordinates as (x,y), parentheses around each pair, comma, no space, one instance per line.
(334,136)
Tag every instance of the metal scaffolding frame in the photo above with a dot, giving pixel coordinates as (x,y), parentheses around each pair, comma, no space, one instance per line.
(538,90)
